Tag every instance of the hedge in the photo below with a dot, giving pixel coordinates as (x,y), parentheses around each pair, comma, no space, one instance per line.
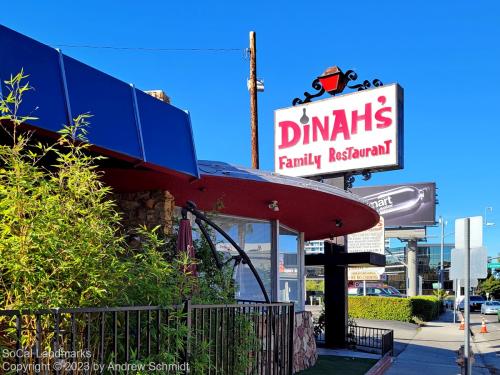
(315,285)
(425,307)
(393,308)
(380,308)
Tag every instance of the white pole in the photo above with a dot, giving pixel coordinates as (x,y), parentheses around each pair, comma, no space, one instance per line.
(441,273)
(468,364)
(457,292)
(364,287)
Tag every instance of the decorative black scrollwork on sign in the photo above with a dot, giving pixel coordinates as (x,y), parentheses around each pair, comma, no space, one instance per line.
(348,181)
(315,85)
(366,84)
(366,175)
(343,79)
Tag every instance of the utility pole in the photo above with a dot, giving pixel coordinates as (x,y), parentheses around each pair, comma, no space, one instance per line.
(254,123)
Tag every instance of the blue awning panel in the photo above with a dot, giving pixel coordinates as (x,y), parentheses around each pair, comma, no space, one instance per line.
(113,123)
(125,120)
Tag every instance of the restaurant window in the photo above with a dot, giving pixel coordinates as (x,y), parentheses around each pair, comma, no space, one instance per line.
(289,266)
(254,237)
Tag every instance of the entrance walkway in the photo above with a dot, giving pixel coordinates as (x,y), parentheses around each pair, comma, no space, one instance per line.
(433,351)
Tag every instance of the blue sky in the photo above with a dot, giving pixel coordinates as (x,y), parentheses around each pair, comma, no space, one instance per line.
(445,55)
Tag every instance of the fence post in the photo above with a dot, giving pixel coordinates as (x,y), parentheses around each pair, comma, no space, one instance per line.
(290,343)
(187,310)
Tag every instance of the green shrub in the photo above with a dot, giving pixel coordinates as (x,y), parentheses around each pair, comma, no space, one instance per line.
(62,243)
(315,285)
(425,307)
(366,307)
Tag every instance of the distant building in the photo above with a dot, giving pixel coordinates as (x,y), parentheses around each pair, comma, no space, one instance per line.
(428,265)
(314,247)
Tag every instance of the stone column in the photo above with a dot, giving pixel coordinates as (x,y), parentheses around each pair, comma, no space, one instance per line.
(411,274)
(150,208)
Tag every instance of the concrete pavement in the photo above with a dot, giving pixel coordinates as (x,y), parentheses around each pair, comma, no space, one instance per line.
(433,350)
(487,344)
(403,332)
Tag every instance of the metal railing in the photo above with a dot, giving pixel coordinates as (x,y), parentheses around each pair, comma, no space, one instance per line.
(369,339)
(255,338)
(250,338)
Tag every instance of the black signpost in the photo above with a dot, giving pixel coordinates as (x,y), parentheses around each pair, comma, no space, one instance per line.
(335,258)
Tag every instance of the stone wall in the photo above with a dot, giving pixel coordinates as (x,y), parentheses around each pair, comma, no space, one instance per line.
(304,343)
(150,208)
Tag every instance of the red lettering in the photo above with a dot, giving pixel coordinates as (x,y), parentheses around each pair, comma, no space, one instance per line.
(332,155)
(286,126)
(383,122)
(306,134)
(323,128)
(340,125)
(366,117)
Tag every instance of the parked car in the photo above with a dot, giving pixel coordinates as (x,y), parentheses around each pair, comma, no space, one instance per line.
(375,291)
(475,303)
(490,307)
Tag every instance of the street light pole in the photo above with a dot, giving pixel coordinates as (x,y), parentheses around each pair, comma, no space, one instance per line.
(485,220)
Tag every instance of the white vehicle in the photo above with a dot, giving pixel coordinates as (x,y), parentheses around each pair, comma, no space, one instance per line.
(490,307)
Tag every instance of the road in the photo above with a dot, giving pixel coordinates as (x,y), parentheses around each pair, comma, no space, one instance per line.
(487,344)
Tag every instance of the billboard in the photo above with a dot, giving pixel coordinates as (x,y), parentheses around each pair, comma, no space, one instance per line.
(405,205)
(348,133)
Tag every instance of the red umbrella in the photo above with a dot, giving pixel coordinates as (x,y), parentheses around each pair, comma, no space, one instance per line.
(185,241)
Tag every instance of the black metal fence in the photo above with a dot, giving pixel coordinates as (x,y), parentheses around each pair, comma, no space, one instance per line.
(372,339)
(251,338)
(375,340)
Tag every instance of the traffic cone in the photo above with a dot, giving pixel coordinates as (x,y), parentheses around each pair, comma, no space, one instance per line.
(462,324)
(483,327)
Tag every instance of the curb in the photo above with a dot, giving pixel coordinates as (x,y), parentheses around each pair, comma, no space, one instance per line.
(381,366)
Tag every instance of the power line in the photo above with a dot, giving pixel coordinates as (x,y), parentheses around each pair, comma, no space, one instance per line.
(150,49)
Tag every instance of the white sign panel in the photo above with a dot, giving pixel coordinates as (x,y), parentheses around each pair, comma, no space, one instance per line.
(478,263)
(475,232)
(473,283)
(370,240)
(352,132)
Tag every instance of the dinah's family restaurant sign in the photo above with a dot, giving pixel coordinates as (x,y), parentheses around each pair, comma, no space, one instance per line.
(356,132)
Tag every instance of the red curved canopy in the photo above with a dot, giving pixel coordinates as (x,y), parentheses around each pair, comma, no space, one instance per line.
(304,205)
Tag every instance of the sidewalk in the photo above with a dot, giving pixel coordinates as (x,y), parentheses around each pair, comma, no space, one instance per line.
(433,351)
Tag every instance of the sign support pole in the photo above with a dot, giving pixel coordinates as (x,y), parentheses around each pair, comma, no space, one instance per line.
(468,364)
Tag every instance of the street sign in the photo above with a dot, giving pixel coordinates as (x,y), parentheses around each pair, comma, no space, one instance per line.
(478,253)
(493,265)
(478,262)
(476,233)
(473,283)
